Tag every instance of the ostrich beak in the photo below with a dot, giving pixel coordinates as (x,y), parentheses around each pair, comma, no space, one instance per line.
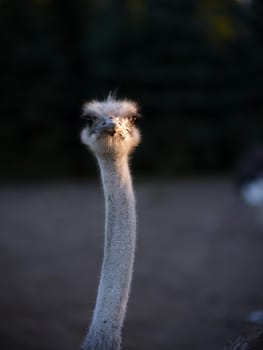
(109,128)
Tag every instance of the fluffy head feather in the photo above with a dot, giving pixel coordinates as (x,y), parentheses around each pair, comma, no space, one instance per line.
(111,107)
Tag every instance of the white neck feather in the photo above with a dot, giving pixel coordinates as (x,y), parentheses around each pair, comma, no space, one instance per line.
(120,239)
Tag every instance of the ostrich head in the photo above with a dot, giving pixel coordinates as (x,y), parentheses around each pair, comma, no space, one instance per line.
(110,129)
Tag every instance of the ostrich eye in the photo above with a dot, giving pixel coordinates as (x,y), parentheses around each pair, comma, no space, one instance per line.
(133,119)
(89,120)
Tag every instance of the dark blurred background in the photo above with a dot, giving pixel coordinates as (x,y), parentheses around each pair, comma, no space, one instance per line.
(195,67)
(196,70)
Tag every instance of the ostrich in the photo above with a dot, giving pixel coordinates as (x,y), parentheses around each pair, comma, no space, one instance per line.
(112,136)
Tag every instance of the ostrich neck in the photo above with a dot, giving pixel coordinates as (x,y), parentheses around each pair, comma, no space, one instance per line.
(120,236)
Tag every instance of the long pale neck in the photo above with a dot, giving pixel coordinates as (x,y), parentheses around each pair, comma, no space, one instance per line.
(120,236)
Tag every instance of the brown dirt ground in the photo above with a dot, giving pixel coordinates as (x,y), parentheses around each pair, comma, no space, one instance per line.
(198,271)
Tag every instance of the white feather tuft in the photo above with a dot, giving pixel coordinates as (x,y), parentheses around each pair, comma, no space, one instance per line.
(111,107)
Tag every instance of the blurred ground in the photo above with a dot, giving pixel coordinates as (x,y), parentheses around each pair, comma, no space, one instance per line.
(198,270)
